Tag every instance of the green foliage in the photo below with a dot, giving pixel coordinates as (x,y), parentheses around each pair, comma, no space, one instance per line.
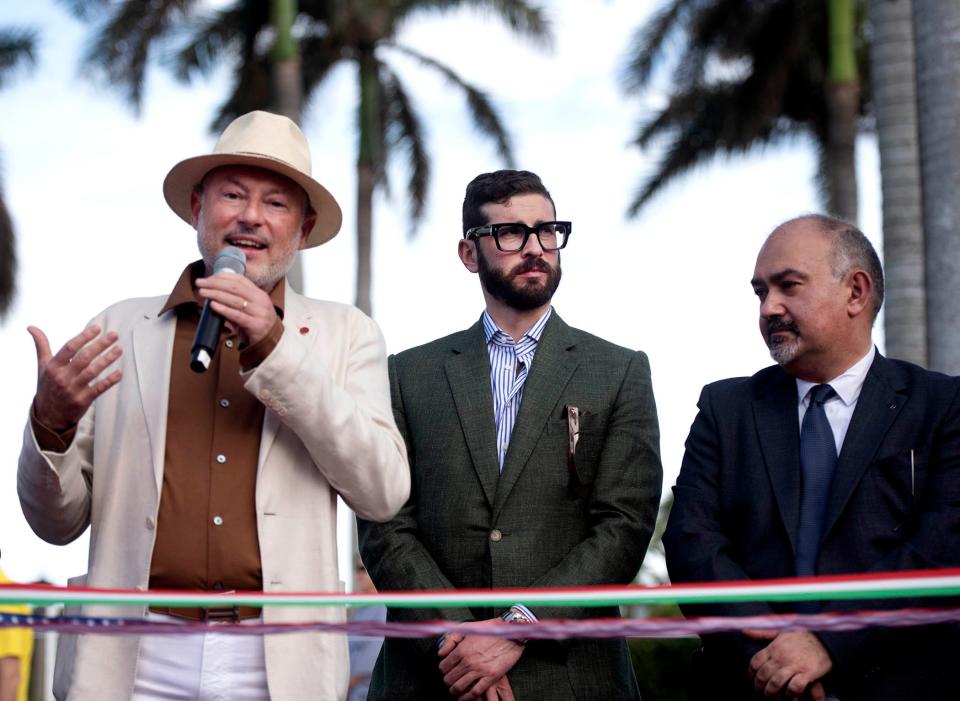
(192,41)
(17,47)
(743,74)
(662,665)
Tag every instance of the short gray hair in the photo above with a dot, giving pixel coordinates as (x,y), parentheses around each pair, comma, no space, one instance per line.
(851,249)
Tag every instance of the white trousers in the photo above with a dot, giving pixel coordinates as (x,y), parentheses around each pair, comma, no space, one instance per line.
(200,666)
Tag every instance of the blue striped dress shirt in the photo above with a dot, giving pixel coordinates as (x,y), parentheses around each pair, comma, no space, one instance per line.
(509,365)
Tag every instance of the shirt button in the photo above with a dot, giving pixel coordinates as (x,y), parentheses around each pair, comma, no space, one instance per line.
(229,343)
(218,520)
(224,403)
(495,535)
(150,523)
(221,459)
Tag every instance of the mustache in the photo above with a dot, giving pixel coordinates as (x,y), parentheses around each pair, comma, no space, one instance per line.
(777,324)
(532,265)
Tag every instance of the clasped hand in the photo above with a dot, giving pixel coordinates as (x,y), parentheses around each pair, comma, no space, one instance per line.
(791,666)
(474,667)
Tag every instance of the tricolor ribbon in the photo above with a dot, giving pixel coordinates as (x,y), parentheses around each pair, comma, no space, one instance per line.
(909,584)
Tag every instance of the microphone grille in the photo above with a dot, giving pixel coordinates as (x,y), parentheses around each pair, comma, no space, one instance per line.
(230,258)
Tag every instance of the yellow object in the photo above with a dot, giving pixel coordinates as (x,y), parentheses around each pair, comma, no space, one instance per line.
(17,642)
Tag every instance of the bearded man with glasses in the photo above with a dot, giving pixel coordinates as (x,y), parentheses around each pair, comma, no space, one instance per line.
(534,458)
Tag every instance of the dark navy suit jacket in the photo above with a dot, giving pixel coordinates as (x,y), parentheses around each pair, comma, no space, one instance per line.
(894,505)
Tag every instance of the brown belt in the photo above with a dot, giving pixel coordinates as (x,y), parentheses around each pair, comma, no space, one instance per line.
(228,614)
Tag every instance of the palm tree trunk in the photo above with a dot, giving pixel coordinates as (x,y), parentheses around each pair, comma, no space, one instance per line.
(366,176)
(895,108)
(287,87)
(843,103)
(937,32)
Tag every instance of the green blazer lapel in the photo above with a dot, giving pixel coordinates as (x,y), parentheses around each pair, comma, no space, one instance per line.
(553,366)
(882,398)
(468,372)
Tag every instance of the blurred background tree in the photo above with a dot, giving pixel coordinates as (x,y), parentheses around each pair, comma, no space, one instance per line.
(937,36)
(744,75)
(17,47)
(244,36)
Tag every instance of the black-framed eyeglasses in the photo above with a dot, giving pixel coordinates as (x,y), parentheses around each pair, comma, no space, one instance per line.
(511,237)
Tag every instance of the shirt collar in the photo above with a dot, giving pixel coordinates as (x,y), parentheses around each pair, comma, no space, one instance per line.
(184,292)
(847,384)
(494,333)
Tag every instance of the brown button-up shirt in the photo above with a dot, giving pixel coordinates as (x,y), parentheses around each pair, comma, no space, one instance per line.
(207,523)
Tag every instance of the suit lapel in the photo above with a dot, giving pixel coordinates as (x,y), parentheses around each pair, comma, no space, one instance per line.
(152,351)
(881,400)
(778,430)
(296,317)
(553,365)
(468,373)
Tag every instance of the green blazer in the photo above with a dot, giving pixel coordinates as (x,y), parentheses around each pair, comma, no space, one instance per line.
(466,524)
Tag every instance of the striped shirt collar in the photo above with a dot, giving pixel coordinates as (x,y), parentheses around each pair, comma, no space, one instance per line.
(493,333)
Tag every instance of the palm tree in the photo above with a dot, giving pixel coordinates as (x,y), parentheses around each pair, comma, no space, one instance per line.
(895,107)
(362,32)
(749,74)
(16,50)
(937,32)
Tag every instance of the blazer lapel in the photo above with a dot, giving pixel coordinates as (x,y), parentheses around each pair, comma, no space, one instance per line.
(553,365)
(296,317)
(468,373)
(152,351)
(778,430)
(880,401)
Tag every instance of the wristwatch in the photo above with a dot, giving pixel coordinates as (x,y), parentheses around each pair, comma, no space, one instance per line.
(515,615)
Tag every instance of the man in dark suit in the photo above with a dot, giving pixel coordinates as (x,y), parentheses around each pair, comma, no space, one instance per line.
(836,460)
(534,452)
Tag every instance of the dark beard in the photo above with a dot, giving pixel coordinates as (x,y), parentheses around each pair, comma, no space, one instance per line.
(517,294)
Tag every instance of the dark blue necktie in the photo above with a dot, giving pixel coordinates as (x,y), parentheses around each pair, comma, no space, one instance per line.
(818,458)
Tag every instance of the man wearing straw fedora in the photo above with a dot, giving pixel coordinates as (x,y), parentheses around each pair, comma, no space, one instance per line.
(223,480)
(534,449)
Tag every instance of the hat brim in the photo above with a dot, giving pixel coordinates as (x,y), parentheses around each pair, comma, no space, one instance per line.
(185,175)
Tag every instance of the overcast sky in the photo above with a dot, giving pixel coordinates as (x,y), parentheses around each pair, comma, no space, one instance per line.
(82,176)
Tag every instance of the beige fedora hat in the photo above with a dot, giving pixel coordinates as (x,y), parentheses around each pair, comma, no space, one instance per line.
(264,140)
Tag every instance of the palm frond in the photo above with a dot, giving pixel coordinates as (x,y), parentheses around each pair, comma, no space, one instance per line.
(482,111)
(404,130)
(700,126)
(519,15)
(229,35)
(84,9)
(252,90)
(649,42)
(319,53)
(120,51)
(8,258)
(17,49)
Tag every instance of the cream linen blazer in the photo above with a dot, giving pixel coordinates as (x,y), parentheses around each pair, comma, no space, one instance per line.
(328,430)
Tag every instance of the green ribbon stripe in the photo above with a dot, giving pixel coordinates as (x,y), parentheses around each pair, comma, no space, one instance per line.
(869,589)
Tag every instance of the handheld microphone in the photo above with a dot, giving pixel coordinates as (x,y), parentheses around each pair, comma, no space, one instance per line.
(231,259)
